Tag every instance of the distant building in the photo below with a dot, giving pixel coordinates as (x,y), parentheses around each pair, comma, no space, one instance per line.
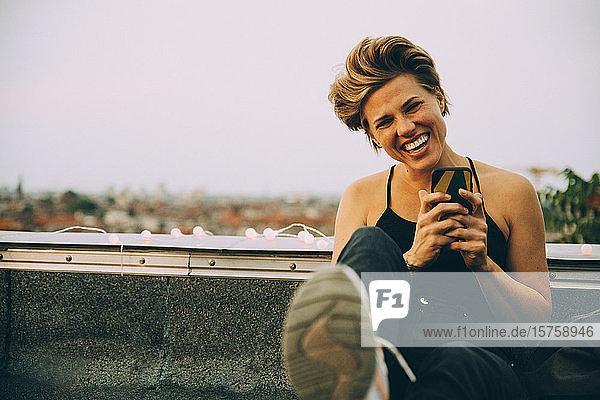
(19,191)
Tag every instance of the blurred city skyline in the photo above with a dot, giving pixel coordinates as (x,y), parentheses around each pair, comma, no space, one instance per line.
(231,98)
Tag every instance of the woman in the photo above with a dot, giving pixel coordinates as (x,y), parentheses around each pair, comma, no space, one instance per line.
(390,222)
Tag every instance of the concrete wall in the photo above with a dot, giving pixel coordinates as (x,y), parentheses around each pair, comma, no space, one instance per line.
(4,319)
(95,336)
(92,336)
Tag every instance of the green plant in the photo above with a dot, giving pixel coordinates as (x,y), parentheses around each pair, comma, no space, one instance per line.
(76,202)
(573,213)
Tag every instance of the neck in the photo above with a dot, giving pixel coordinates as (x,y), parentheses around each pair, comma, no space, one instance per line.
(421,178)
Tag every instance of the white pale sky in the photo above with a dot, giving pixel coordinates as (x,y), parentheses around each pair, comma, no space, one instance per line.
(230,97)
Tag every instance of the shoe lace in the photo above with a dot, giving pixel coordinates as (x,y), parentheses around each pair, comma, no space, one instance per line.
(401,360)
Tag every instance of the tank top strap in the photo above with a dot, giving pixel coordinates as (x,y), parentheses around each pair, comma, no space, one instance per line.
(389,187)
(474,173)
(476,179)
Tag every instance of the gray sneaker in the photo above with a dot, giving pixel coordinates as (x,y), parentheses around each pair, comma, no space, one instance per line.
(322,348)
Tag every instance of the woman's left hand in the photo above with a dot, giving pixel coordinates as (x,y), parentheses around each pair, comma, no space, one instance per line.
(472,239)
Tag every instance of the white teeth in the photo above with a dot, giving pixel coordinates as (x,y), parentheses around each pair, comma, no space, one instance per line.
(416,143)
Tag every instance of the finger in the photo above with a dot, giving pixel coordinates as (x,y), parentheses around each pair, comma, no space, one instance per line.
(445,241)
(468,246)
(441,209)
(443,226)
(457,233)
(441,240)
(457,246)
(466,234)
(422,194)
(429,200)
(449,225)
(475,199)
(470,221)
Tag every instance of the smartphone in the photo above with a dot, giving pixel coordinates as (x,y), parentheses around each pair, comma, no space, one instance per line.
(449,180)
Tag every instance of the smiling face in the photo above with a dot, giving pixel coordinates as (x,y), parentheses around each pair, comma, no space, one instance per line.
(406,121)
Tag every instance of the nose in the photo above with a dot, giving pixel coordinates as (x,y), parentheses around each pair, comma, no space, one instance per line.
(405,127)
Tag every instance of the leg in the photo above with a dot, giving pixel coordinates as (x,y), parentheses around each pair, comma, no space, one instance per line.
(370,249)
(464,373)
(473,373)
(321,341)
(322,334)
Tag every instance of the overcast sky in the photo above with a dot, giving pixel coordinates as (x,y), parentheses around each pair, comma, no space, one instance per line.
(230,97)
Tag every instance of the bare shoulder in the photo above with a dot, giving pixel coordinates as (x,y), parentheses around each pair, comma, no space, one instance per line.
(509,197)
(501,184)
(368,193)
(356,208)
(369,182)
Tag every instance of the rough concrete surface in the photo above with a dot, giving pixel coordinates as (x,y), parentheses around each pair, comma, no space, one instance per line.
(93,336)
(99,336)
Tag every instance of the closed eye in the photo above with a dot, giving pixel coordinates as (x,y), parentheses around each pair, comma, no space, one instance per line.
(384,123)
(413,107)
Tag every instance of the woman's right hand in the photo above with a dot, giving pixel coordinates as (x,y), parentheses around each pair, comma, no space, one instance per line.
(432,223)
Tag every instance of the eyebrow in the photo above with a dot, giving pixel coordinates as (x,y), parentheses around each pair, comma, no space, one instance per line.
(404,106)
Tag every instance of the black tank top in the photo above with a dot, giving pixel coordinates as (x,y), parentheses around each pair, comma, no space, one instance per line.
(402,232)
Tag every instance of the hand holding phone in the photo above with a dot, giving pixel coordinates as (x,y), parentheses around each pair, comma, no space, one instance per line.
(471,240)
(433,224)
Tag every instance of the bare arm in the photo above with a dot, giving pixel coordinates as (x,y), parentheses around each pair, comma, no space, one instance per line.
(351,215)
(523,295)
(526,254)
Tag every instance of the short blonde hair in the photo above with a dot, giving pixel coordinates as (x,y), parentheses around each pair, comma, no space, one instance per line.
(369,66)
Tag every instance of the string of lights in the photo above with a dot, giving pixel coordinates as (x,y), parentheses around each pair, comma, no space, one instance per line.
(306,234)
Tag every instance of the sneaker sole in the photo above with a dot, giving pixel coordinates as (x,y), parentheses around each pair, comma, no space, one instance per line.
(322,338)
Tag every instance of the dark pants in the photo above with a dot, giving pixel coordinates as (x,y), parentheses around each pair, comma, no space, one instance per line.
(442,372)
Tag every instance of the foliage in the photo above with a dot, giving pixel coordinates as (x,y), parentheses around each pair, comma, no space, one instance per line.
(47,203)
(573,213)
(76,202)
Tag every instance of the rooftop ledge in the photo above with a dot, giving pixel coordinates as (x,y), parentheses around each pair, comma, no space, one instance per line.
(222,256)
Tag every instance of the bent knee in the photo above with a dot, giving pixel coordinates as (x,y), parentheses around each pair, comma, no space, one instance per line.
(370,234)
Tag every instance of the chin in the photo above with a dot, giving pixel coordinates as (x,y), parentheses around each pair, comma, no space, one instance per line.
(427,162)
